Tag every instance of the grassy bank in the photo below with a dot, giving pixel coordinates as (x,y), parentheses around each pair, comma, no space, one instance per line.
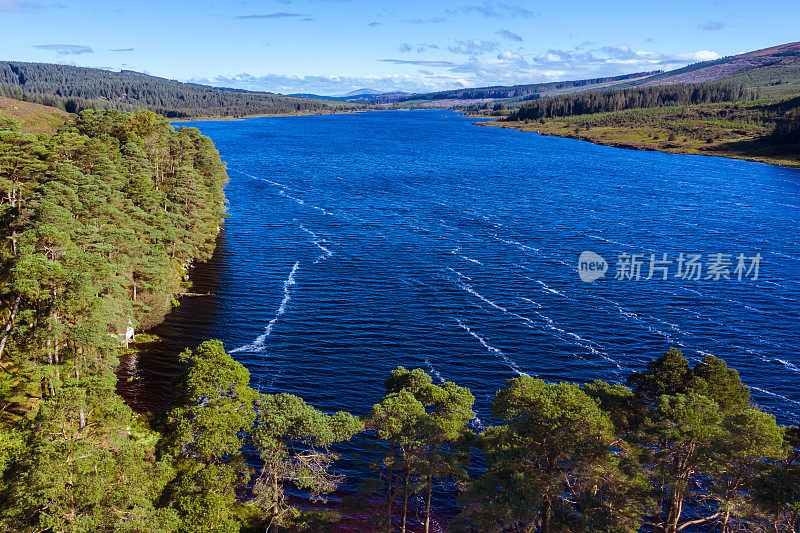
(32,118)
(726,130)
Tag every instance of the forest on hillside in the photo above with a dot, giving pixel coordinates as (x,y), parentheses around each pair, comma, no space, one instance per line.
(75,89)
(631,98)
(527,91)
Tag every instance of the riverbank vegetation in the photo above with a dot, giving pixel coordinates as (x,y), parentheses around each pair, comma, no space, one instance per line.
(751,130)
(634,98)
(99,221)
(707,119)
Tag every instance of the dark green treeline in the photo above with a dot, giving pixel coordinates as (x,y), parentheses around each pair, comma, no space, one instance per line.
(631,98)
(75,89)
(99,222)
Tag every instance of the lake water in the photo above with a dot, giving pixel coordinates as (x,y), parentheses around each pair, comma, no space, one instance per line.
(357,243)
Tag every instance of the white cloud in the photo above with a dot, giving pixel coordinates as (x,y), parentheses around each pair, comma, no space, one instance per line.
(419,48)
(334,84)
(66,49)
(498,9)
(17,5)
(508,55)
(470,66)
(703,55)
(473,48)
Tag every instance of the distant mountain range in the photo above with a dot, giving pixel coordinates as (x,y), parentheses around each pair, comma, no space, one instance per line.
(364,96)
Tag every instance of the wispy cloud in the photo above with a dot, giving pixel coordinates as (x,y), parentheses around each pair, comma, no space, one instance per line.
(17,5)
(66,49)
(278,15)
(373,24)
(419,48)
(433,20)
(510,35)
(473,48)
(122,50)
(421,62)
(498,9)
(712,25)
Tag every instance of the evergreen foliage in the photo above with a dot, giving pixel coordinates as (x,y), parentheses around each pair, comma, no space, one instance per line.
(75,89)
(530,91)
(632,98)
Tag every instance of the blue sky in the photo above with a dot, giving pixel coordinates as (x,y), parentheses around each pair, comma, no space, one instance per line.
(335,46)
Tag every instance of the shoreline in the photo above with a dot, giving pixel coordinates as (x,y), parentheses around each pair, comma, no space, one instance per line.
(613,137)
(211,118)
(144,376)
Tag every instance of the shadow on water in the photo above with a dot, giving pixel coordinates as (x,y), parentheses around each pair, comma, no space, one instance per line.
(144,378)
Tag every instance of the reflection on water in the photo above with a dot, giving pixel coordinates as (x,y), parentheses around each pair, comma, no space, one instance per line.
(144,378)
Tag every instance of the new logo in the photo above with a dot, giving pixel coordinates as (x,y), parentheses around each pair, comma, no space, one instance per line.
(591,266)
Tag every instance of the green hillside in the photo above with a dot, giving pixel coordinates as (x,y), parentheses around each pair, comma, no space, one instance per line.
(74,89)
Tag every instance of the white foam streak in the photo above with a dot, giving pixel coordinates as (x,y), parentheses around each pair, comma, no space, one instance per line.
(435,372)
(770,393)
(549,324)
(518,244)
(547,288)
(789,365)
(318,242)
(303,203)
(511,364)
(259,345)
(457,252)
(265,180)
(459,274)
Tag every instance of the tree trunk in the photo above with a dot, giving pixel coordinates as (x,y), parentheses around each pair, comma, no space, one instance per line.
(547,512)
(389,482)
(10,323)
(405,499)
(428,504)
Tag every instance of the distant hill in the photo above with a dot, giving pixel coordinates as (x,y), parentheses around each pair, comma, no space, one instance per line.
(362,96)
(522,92)
(359,92)
(315,96)
(785,55)
(75,88)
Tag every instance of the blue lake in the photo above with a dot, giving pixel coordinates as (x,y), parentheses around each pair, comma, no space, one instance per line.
(357,243)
